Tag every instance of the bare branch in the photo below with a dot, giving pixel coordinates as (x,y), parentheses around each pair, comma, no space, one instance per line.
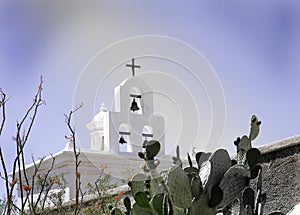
(43,185)
(68,119)
(37,102)
(5,175)
(36,169)
(20,140)
(2,105)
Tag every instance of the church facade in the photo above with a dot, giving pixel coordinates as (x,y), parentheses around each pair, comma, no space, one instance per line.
(116,137)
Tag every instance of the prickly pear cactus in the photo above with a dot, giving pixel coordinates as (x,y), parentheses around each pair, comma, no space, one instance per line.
(220,163)
(250,202)
(201,205)
(137,183)
(216,185)
(233,183)
(254,127)
(179,186)
(152,149)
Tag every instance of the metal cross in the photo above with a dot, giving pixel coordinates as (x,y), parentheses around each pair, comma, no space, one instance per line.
(133,66)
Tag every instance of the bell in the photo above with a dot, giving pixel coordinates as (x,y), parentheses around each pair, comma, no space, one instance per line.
(134,106)
(122,140)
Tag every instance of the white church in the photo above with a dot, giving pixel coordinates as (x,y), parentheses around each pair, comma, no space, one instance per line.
(116,137)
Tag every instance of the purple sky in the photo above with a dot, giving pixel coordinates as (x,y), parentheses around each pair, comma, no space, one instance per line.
(253,47)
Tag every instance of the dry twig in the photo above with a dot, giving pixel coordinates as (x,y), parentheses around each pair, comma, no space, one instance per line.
(72,138)
(20,139)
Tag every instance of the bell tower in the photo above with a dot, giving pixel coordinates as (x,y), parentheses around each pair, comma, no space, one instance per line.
(131,122)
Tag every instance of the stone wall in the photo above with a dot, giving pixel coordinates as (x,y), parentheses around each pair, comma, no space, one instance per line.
(281,174)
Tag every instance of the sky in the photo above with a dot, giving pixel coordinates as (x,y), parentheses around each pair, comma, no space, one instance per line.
(211,64)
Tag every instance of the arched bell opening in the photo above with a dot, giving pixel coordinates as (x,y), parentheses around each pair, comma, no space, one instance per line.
(147,134)
(124,138)
(136,101)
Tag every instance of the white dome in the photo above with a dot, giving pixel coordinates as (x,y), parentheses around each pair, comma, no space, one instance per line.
(99,116)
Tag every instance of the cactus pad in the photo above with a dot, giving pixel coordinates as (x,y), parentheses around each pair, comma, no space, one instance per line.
(204,173)
(253,156)
(220,163)
(200,206)
(179,185)
(201,157)
(254,129)
(248,198)
(233,183)
(142,200)
(244,143)
(137,183)
(157,203)
(152,149)
(137,210)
